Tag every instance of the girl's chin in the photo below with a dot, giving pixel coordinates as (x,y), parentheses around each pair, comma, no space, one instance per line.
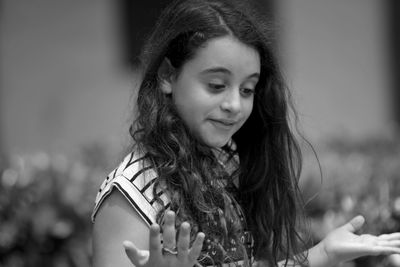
(216,142)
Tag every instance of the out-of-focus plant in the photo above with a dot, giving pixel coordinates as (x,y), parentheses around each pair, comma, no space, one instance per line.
(46,200)
(45,206)
(358,178)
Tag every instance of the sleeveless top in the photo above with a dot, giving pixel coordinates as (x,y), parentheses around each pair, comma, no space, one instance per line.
(134,178)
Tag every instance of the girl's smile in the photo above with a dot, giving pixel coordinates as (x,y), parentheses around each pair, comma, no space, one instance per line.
(223,124)
(214,91)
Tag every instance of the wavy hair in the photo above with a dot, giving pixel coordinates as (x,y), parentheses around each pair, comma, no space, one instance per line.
(270,158)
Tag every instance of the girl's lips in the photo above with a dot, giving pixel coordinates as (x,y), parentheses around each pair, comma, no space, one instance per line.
(226,124)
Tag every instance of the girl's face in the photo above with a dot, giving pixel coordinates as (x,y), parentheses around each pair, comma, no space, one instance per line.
(214,91)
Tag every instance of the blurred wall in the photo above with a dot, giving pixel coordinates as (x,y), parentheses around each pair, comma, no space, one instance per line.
(394,56)
(62,81)
(336,61)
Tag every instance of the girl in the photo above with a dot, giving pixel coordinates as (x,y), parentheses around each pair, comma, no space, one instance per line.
(214,161)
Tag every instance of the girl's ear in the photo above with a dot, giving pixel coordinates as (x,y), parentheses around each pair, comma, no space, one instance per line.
(166,74)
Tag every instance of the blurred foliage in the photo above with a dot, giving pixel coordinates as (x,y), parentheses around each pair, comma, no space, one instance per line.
(46,200)
(45,207)
(358,177)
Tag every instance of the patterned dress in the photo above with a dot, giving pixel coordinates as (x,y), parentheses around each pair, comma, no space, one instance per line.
(134,178)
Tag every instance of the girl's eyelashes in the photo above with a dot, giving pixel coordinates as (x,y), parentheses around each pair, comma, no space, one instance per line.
(247,92)
(216,86)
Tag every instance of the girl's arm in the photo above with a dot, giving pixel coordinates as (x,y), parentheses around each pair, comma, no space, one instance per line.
(342,244)
(115,222)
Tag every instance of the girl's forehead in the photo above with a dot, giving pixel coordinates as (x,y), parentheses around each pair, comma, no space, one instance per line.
(227,52)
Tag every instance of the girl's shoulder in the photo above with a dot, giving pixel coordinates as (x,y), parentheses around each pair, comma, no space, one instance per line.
(134,178)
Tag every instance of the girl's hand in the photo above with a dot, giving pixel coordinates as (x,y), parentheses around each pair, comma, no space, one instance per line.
(342,244)
(171,253)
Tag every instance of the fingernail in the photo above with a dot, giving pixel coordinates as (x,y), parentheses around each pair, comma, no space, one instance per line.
(127,244)
(201,235)
(185,225)
(171,213)
(155,227)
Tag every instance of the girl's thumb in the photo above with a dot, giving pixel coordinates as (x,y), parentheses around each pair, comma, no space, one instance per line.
(136,256)
(131,251)
(355,224)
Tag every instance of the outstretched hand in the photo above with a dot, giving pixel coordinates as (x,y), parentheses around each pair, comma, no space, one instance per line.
(343,244)
(171,253)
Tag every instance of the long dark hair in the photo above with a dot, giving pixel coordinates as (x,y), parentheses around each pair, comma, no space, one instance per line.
(270,158)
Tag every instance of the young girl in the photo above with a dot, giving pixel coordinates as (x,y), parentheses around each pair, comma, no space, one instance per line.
(212,177)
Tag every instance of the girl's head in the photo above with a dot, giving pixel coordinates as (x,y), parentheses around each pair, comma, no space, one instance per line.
(213,91)
(209,75)
(208,60)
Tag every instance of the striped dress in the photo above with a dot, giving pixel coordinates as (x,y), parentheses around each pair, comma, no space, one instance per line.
(134,178)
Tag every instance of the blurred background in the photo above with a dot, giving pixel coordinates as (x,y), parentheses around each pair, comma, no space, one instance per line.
(67,74)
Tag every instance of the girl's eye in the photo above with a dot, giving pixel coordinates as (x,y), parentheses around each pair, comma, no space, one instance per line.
(216,86)
(247,92)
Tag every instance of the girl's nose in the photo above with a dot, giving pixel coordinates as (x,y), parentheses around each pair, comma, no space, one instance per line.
(232,101)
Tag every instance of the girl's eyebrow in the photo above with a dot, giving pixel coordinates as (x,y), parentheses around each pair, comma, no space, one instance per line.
(255,75)
(226,71)
(216,70)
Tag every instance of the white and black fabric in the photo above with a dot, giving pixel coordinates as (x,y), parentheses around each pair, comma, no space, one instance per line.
(134,179)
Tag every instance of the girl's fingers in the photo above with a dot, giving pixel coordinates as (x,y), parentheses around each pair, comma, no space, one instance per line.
(183,240)
(155,242)
(194,252)
(354,224)
(385,250)
(392,236)
(389,243)
(169,232)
